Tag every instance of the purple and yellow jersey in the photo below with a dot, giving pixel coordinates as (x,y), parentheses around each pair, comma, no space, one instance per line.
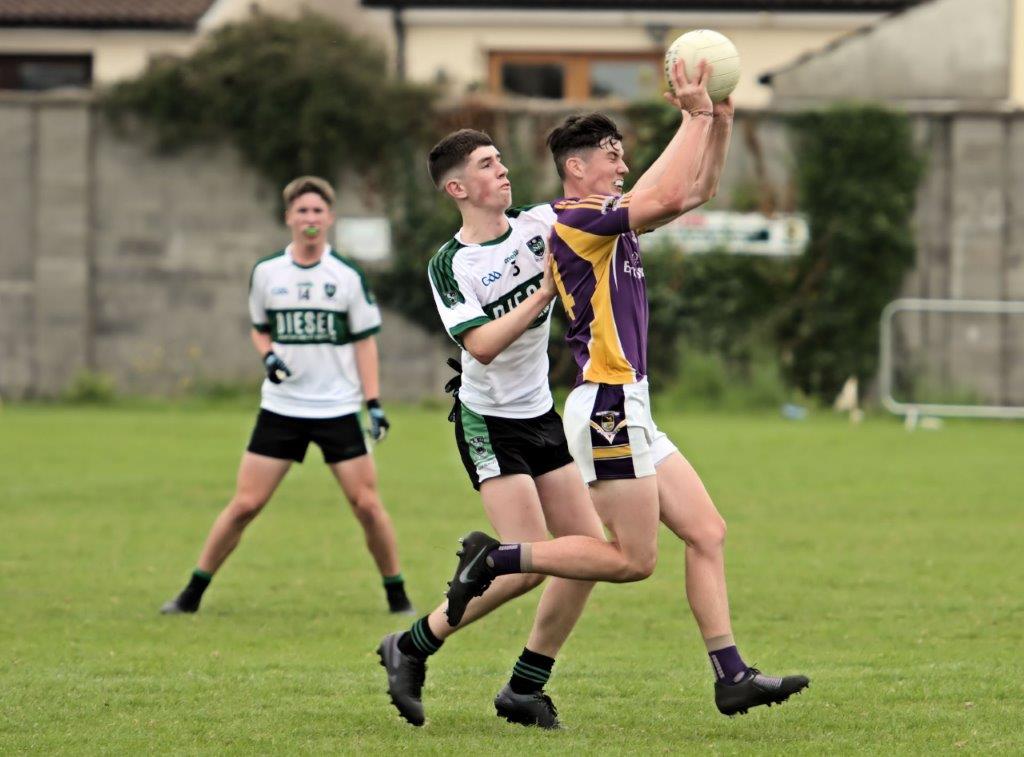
(600,278)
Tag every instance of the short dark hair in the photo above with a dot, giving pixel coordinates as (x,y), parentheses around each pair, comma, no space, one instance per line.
(579,133)
(304,184)
(453,150)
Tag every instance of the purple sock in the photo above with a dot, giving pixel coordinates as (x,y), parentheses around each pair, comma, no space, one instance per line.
(505,559)
(727,664)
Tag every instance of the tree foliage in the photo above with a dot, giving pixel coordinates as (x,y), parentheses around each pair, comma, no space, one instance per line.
(857,173)
(301,96)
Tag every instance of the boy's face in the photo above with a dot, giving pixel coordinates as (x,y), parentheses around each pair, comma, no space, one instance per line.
(483,180)
(603,169)
(309,217)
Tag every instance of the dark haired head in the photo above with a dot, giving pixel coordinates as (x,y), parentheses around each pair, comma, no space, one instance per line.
(452,152)
(579,133)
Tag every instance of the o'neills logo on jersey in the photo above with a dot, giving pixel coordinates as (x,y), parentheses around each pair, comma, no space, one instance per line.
(308,327)
(511,299)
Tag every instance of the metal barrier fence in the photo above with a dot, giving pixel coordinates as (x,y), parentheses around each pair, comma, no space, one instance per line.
(886,371)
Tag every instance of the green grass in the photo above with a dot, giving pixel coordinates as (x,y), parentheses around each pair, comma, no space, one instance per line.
(884,564)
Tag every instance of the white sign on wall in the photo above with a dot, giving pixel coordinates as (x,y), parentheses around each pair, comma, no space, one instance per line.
(365,238)
(743,233)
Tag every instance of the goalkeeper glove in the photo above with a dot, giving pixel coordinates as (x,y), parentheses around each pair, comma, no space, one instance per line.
(379,424)
(277,371)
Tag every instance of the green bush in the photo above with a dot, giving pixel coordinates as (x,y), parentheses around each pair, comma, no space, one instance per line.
(90,388)
(857,172)
(705,380)
(302,96)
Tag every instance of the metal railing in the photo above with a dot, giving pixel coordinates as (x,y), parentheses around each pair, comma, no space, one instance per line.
(991,307)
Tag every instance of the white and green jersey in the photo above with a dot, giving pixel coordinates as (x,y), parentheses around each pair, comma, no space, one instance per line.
(313,315)
(477,283)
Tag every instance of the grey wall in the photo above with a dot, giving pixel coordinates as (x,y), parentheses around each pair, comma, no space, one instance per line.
(113,259)
(939,50)
(970,245)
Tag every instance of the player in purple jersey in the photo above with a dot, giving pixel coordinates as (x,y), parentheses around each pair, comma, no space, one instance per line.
(636,475)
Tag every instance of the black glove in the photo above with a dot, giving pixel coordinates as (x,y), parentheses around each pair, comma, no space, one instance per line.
(277,371)
(453,386)
(379,424)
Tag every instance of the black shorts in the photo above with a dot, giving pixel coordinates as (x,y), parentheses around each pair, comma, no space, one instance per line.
(492,446)
(287,438)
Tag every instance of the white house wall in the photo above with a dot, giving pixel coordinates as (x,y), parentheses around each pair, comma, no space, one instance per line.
(456,45)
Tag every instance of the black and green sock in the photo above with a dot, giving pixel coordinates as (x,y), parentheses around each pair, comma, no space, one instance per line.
(394,587)
(192,594)
(531,672)
(419,641)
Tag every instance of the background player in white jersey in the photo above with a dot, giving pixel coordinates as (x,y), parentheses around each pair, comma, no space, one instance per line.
(492,287)
(636,474)
(313,318)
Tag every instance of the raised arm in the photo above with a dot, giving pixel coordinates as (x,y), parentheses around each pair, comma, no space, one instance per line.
(668,191)
(710,173)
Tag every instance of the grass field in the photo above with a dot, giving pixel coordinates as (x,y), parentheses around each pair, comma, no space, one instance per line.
(885,565)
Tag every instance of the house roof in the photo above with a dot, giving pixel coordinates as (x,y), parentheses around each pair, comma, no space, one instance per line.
(768,76)
(104,14)
(866,6)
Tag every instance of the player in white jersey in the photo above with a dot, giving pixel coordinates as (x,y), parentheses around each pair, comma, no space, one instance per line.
(492,286)
(474,284)
(314,319)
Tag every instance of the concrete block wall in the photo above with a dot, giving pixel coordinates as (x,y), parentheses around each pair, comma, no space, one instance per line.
(117,260)
(969,228)
(136,265)
(17,245)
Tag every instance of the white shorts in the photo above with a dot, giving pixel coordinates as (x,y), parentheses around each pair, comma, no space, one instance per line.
(611,433)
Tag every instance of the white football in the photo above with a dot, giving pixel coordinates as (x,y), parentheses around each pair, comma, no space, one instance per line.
(717,49)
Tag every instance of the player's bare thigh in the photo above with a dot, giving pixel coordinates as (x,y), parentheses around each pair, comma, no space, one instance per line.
(258,477)
(686,507)
(357,476)
(565,499)
(629,509)
(513,508)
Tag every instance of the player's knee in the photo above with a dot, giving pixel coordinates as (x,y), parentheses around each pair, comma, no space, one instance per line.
(638,567)
(246,507)
(367,507)
(710,537)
